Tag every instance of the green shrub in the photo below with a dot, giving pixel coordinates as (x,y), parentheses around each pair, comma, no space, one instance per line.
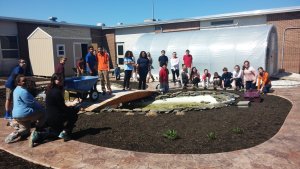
(211,136)
(171,134)
(237,130)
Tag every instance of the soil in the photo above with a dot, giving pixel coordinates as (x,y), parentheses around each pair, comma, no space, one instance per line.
(259,123)
(11,161)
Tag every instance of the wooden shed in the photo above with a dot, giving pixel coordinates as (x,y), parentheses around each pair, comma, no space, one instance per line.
(47,44)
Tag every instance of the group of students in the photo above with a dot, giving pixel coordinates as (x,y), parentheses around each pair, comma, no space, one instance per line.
(246,78)
(54,120)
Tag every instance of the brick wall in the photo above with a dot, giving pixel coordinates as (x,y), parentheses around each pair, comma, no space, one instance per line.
(291,62)
(109,41)
(175,27)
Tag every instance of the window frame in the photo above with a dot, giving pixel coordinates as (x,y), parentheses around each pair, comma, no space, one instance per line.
(57,50)
(120,44)
(222,22)
(17,49)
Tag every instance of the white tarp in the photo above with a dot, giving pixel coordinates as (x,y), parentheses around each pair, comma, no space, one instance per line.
(211,48)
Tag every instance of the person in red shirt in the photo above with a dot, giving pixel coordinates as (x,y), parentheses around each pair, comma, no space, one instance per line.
(164,78)
(188,60)
(103,69)
(264,82)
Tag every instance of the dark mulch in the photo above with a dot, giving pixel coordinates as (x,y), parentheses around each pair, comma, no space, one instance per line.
(13,162)
(259,122)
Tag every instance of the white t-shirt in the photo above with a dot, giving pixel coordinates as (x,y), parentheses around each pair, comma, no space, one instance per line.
(174,63)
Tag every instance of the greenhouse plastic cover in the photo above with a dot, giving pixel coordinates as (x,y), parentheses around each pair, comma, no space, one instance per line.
(212,49)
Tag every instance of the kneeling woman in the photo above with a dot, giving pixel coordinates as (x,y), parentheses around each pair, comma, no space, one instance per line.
(25,110)
(60,117)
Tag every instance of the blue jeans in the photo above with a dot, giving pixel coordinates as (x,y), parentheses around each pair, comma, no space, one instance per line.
(250,85)
(266,88)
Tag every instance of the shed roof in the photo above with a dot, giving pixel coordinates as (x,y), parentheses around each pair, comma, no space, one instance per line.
(64,33)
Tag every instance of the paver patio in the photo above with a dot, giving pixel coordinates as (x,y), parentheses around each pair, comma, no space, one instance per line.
(281,151)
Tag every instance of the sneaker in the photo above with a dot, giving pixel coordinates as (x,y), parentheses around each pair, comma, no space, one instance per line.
(11,137)
(33,138)
(64,135)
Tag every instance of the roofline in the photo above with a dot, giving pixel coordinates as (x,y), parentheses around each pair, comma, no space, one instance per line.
(38,28)
(24,20)
(212,17)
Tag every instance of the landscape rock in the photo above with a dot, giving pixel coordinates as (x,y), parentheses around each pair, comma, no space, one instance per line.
(151,114)
(129,114)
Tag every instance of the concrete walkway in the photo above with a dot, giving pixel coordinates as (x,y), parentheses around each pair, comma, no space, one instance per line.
(281,151)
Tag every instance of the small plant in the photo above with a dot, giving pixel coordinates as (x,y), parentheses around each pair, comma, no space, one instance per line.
(171,134)
(237,130)
(211,136)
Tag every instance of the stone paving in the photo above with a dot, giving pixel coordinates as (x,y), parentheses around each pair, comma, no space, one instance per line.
(281,151)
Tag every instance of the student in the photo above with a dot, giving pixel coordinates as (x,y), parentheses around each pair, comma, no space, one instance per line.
(142,69)
(103,70)
(80,67)
(188,60)
(90,60)
(134,71)
(163,59)
(60,118)
(226,79)
(60,67)
(205,78)
(128,67)
(264,82)
(10,86)
(195,77)
(249,76)
(217,80)
(117,72)
(25,110)
(164,78)
(184,76)
(175,67)
(150,68)
(237,81)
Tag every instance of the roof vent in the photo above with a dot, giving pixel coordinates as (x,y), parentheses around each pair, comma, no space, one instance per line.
(120,23)
(53,18)
(100,24)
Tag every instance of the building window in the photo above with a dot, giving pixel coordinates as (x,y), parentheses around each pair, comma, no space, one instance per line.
(9,47)
(225,22)
(120,48)
(60,50)
(121,61)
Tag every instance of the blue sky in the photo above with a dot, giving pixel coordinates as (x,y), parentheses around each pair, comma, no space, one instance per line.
(111,12)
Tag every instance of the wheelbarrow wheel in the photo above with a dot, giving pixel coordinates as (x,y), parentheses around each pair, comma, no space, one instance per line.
(94,95)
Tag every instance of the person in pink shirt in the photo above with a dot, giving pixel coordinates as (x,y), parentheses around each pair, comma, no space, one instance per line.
(188,60)
(250,76)
(205,78)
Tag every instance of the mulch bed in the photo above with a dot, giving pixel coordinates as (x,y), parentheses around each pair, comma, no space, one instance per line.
(259,122)
(11,161)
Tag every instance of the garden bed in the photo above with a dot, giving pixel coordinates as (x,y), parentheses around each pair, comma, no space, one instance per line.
(199,132)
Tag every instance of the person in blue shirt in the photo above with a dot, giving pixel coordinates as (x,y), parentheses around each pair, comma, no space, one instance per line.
(128,67)
(117,72)
(25,110)
(91,61)
(10,86)
(142,69)
(226,78)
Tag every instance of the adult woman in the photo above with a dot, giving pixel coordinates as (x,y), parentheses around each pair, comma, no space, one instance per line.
(60,118)
(150,67)
(25,110)
(250,76)
(142,69)
(195,76)
(128,67)
(175,67)
(237,82)
(264,83)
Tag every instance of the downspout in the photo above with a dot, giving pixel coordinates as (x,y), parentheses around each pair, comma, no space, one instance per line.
(282,45)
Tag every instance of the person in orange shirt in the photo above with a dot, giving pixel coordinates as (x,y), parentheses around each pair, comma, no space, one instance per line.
(103,69)
(264,82)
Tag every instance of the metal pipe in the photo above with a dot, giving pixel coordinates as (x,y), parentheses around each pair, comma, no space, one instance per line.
(282,45)
(153,10)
